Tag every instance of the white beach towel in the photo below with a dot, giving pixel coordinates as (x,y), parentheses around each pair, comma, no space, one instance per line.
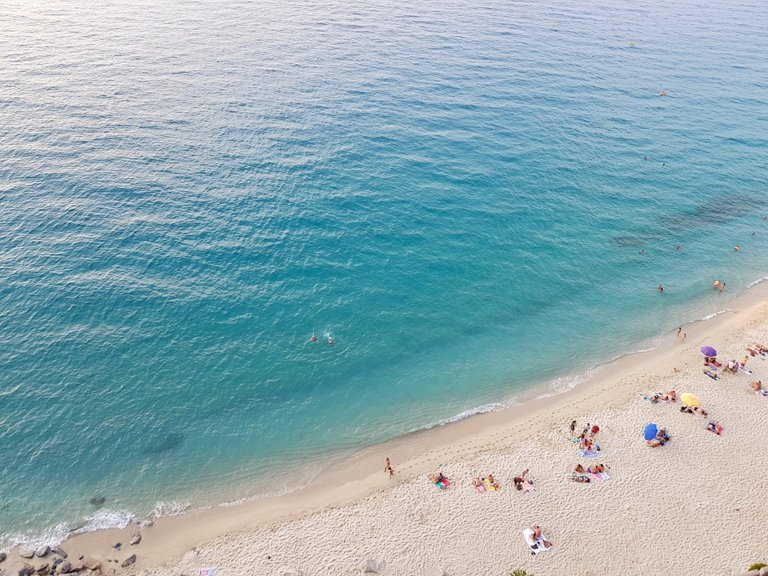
(536,544)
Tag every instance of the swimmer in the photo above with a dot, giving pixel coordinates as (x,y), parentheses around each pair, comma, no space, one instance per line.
(642,251)
(330,340)
(660,288)
(663,93)
(677,247)
(716,284)
(312,338)
(722,286)
(736,248)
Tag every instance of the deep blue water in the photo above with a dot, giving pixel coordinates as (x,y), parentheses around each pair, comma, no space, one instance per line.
(456,192)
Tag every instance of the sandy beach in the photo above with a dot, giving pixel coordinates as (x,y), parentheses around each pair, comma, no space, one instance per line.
(694,506)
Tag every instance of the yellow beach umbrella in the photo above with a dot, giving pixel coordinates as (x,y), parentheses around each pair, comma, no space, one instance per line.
(690,399)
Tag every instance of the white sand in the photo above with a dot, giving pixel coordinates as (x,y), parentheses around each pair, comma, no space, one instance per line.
(698,505)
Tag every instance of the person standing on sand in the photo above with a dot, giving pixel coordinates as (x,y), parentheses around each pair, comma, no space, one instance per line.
(388,468)
(573,427)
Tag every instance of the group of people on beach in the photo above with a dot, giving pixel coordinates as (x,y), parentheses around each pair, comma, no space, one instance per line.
(662,437)
(588,447)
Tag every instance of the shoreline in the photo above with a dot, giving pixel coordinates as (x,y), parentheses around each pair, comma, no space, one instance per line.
(359,476)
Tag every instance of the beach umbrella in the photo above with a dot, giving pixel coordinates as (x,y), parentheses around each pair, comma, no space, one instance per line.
(690,399)
(650,431)
(708,351)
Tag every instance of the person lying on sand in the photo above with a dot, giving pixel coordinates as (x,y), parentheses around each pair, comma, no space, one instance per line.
(714,427)
(580,478)
(579,468)
(758,387)
(439,480)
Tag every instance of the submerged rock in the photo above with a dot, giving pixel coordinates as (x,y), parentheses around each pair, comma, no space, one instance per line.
(128,561)
(98,500)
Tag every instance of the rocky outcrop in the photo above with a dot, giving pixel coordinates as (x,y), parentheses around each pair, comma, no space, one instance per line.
(135,539)
(91,564)
(59,552)
(43,551)
(26,553)
(128,561)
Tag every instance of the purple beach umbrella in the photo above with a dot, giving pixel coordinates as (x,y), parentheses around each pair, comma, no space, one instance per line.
(708,351)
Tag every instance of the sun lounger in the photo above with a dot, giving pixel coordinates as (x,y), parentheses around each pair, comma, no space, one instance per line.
(588,453)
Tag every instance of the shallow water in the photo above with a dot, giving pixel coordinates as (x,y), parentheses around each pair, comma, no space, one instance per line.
(457,193)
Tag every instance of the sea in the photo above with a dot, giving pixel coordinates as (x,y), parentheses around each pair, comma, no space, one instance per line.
(473,201)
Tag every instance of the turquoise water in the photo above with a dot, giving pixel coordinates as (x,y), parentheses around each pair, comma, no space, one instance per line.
(457,193)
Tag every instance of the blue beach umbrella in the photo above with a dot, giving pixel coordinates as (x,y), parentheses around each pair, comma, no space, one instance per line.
(650,431)
(708,351)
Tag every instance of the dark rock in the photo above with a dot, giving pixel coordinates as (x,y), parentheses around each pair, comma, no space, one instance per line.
(64,568)
(43,569)
(58,551)
(27,570)
(128,561)
(42,551)
(56,562)
(135,539)
(3,556)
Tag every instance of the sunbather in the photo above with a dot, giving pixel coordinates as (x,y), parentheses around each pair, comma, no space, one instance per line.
(714,427)
(581,478)
(536,540)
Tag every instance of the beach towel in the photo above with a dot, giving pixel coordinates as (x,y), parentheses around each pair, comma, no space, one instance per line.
(588,453)
(490,487)
(480,488)
(444,483)
(536,544)
(527,486)
(206,572)
(707,373)
(600,476)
